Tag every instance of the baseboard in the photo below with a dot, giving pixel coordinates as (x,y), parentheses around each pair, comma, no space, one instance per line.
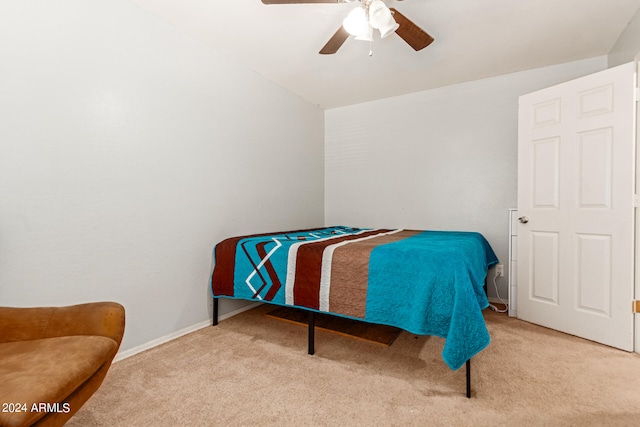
(238,311)
(177,334)
(497,302)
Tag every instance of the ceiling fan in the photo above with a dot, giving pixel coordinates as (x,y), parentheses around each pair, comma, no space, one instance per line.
(361,21)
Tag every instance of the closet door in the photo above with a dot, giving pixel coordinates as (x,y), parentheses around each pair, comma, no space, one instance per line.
(576,179)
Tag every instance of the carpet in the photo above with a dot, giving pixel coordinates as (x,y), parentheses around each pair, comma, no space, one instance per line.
(254,371)
(378,334)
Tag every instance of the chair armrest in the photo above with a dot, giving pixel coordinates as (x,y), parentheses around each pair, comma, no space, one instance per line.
(99,318)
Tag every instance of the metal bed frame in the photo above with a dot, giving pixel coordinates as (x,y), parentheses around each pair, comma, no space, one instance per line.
(311,340)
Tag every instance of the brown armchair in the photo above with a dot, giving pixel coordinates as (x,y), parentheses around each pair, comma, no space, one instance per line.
(52,359)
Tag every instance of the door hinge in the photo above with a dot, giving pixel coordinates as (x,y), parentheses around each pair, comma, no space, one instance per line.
(635,306)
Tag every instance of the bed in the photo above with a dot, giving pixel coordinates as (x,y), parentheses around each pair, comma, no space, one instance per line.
(425,282)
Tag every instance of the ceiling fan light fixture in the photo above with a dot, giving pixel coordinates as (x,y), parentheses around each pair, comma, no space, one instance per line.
(356,22)
(381,18)
(379,14)
(366,35)
(389,27)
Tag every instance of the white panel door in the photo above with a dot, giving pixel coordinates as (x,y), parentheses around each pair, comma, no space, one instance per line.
(576,181)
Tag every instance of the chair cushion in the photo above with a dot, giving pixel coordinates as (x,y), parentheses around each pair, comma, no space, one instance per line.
(47,371)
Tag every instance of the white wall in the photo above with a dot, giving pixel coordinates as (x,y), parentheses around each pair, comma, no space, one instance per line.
(441,159)
(127,149)
(627,47)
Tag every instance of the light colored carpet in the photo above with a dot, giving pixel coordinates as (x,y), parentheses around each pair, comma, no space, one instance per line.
(254,371)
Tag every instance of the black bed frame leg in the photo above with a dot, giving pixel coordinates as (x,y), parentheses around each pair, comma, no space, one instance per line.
(312,326)
(215,312)
(468,378)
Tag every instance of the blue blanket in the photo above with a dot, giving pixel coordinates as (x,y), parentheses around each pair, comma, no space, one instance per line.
(425,282)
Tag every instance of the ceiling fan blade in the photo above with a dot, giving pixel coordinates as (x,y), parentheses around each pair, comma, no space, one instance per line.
(335,42)
(415,36)
(299,1)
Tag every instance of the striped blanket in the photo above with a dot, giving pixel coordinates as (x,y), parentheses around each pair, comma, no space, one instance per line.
(425,282)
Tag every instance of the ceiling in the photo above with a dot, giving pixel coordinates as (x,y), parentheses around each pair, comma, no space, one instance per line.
(473,40)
